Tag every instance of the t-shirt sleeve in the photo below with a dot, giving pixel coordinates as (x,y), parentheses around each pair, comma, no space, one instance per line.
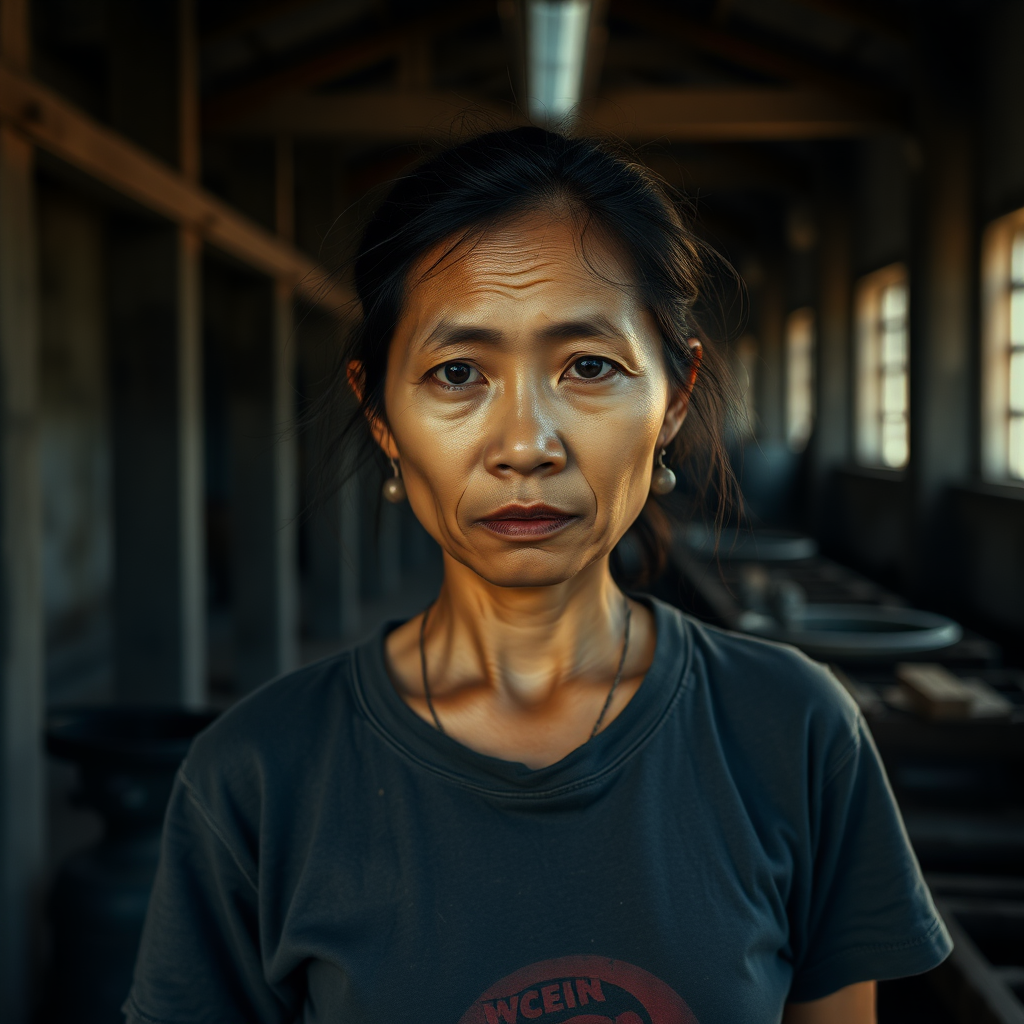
(869,913)
(199,960)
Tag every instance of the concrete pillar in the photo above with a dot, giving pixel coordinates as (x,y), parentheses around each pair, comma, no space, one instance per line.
(22,697)
(943,329)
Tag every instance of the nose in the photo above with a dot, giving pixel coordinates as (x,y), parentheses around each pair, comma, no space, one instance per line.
(526,439)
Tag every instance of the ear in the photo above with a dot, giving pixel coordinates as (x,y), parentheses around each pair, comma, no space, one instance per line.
(356,381)
(680,400)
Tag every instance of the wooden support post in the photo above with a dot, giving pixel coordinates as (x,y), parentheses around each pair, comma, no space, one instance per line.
(22,687)
(191,494)
(285,471)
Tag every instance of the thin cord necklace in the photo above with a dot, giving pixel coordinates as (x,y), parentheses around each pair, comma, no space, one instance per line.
(604,708)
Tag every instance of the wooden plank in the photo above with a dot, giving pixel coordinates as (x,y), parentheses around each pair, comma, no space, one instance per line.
(60,128)
(191,455)
(934,691)
(191,472)
(685,114)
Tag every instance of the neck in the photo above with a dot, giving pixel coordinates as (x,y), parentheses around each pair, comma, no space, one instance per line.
(526,642)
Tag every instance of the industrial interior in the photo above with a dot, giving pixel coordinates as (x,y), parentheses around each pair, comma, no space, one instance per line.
(181,182)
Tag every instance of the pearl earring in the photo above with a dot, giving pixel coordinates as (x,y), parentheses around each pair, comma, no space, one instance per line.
(663,480)
(394,487)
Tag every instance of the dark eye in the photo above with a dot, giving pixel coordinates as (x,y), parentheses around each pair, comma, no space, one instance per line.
(590,366)
(456,374)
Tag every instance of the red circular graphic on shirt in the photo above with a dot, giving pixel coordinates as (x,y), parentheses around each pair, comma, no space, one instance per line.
(580,990)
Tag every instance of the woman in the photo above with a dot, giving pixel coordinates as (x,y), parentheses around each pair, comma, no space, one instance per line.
(542,799)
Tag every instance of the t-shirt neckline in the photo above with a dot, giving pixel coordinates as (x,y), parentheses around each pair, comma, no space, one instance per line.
(419,742)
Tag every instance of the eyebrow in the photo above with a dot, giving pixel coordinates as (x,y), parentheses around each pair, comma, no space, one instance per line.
(448,335)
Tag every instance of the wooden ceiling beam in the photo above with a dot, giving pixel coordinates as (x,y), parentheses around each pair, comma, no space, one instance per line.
(347,59)
(689,114)
(59,128)
(746,53)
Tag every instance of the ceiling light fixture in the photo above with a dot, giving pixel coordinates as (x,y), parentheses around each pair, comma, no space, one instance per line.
(556,33)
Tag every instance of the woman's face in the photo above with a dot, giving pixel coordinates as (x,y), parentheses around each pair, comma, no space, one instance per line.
(526,398)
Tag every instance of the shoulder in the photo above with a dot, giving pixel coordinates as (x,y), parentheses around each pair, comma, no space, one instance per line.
(275,734)
(770,696)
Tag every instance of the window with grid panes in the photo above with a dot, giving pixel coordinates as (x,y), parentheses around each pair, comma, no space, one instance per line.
(1015,376)
(894,426)
(882,432)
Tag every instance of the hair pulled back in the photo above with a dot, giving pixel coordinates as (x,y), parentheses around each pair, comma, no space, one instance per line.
(460,193)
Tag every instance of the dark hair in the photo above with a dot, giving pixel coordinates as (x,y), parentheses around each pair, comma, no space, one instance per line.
(475,185)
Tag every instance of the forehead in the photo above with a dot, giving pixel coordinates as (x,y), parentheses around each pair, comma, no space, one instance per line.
(535,260)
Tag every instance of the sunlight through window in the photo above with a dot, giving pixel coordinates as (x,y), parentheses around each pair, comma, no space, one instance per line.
(882,384)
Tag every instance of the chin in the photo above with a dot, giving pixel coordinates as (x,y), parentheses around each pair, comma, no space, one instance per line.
(527,568)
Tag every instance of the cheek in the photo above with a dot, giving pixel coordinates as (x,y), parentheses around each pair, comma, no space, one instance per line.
(614,449)
(439,454)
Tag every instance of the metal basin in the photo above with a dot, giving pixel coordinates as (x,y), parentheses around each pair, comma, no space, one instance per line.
(857,631)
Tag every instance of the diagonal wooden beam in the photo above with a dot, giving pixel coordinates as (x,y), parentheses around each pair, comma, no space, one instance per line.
(681,114)
(746,53)
(350,57)
(58,127)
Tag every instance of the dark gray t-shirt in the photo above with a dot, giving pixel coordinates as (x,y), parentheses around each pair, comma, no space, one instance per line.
(728,843)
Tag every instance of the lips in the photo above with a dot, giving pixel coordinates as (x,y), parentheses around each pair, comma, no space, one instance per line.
(527,521)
